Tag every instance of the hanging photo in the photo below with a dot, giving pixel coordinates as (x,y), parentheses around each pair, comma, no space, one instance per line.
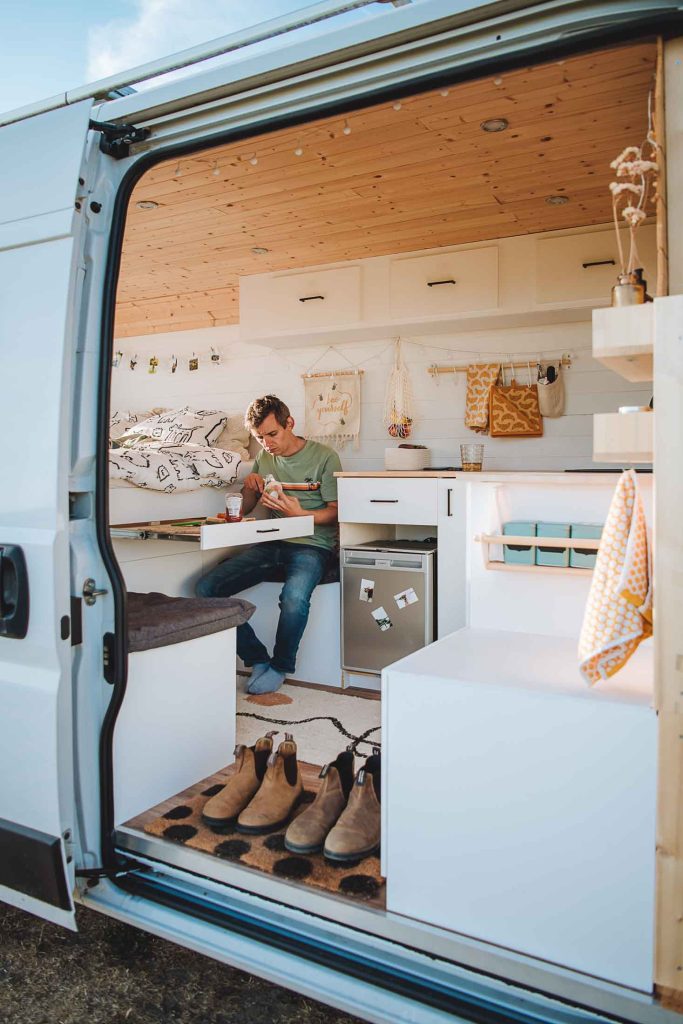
(382,619)
(193,363)
(215,357)
(116,361)
(174,364)
(133,362)
(153,363)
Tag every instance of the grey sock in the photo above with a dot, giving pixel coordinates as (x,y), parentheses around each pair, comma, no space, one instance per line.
(268,681)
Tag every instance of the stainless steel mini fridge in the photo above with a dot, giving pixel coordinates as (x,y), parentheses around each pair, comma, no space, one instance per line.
(388,591)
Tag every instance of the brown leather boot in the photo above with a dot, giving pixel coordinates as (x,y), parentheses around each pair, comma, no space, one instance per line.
(357,833)
(307,832)
(278,794)
(223,808)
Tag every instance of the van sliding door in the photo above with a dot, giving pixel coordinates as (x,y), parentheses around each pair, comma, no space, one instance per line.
(40,261)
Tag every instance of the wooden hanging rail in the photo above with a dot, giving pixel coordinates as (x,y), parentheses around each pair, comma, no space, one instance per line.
(335,373)
(434,369)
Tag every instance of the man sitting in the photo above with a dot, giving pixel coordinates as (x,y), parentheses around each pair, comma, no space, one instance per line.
(289,459)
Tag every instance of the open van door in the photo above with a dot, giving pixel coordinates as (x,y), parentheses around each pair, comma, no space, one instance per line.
(41,272)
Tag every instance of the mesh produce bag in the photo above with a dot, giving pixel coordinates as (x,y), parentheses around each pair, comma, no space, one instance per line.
(398,404)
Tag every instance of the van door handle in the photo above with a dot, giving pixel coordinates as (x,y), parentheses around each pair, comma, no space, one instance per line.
(91,593)
(14,592)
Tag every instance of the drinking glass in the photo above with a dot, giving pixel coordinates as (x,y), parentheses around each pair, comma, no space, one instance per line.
(471,457)
(233,508)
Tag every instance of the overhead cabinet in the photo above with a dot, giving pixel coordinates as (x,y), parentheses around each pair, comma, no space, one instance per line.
(512,282)
(452,282)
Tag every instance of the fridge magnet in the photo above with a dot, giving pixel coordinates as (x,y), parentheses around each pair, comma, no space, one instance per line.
(406,597)
(193,363)
(367,589)
(382,619)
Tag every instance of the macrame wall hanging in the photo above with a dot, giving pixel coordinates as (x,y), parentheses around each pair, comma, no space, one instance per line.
(333,407)
(398,404)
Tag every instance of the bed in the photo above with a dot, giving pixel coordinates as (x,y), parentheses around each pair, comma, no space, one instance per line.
(131,504)
(174,464)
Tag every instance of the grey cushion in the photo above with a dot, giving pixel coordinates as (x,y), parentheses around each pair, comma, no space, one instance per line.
(157,620)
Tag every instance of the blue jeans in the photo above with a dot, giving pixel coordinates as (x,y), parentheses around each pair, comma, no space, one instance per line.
(303,565)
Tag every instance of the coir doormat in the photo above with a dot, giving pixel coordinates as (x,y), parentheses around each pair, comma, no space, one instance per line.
(183,824)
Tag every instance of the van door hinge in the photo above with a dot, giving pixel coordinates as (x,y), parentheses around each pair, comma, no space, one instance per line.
(116,139)
(93,875)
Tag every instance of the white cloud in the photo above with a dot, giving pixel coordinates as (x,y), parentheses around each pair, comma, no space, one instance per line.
(162,27)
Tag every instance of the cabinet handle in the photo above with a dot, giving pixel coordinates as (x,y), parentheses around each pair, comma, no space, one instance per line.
(384,501)
(598,263)
(449,494)
(433,284)
(273,529)
(310,298)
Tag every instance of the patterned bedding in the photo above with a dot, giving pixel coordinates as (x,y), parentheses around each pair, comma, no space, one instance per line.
(173,467)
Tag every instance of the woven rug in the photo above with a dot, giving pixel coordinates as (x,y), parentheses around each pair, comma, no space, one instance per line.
(323,723)
(183,824)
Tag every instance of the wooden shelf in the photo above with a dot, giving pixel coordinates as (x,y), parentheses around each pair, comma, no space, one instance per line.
(623,340)
(623,437)
(561,543)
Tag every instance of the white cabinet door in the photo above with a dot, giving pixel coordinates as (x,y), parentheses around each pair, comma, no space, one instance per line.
(388,500)
(451,282)
(270,304)
(574,267)
(451,581)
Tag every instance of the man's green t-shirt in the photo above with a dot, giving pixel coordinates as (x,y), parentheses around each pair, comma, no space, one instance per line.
(314,463)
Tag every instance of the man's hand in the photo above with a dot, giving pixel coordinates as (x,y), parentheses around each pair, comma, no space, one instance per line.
(284,503)
(254,482)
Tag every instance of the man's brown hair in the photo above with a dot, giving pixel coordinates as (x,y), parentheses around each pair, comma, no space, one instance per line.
(262,407)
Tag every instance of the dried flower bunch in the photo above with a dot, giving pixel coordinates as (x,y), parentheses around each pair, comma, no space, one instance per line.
(636,170)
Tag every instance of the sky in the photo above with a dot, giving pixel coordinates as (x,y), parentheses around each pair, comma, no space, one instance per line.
(50,46)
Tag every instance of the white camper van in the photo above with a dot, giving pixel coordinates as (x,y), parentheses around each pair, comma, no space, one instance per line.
(437,173)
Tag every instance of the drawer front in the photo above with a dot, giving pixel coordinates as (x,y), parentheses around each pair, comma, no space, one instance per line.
(228,535)
(585,266)
(325,298)
(387,500)
(455,282)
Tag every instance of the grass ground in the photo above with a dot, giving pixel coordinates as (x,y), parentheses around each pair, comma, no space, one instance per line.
(110,973)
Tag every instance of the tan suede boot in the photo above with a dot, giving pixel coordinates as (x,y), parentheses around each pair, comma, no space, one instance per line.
(278,794)
(223,808)
(357,833)
(307,832)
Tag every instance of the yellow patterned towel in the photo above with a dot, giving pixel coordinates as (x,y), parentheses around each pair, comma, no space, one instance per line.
(619,609)
(480,378)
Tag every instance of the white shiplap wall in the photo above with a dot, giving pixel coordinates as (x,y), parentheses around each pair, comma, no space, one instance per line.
(248,371)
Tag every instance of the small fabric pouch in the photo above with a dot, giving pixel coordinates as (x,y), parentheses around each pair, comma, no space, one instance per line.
(514,410)
(551,395)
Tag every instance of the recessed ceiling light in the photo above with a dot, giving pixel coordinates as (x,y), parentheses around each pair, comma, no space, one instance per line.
(494,124)
(557,200)
(147,204)
(259,250)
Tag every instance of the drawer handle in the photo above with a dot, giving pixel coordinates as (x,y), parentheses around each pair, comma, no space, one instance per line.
(449,495)
(273,529)
(311,298)
(434,284)
(384,501)
(599,263)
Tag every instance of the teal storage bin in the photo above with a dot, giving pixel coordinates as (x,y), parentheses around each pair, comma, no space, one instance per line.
(558,557)
(517,554)
(582,558)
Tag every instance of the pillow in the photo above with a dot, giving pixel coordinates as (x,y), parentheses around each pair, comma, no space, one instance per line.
(235,436)
(122,420)
(182,426)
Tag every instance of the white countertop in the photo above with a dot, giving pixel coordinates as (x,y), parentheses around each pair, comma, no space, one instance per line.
(528,661)
(497,476)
